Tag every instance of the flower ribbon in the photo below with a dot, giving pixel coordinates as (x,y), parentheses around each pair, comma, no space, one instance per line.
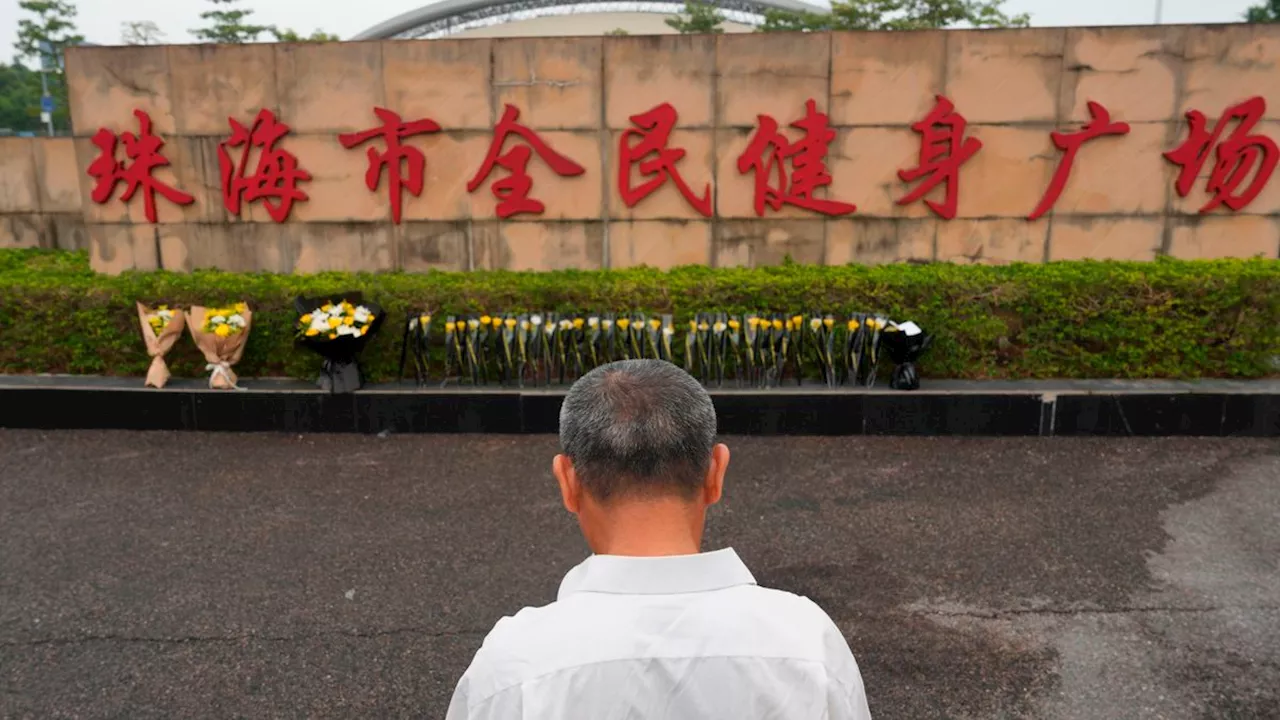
(223,369)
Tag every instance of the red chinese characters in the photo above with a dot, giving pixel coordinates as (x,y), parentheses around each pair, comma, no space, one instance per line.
(143,153)
(653,131)
(394,159)
(512,191)
(943,149)
(276,175)
(769,152)
(1239,156)
(1070,143)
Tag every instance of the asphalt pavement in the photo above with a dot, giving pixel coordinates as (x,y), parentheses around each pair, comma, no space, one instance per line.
(170,575)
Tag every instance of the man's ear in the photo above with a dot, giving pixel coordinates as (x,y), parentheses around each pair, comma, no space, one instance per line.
(570,488)
(713,485)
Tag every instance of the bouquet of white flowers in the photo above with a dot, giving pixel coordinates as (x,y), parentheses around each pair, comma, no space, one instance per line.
(337,328)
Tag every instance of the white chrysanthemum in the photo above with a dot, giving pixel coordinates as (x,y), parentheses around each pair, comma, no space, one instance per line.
(593,321)
(536,320)
(236,320)
(217,320)
(566,324)
(718,327)
(361,314)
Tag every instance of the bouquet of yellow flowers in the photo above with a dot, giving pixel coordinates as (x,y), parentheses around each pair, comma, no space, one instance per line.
(161,328)
(221,333)
(337,328)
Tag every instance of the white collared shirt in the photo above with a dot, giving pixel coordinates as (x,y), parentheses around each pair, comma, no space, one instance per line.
(689,637)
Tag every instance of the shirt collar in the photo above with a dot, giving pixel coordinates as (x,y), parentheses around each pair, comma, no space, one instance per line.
(666,575)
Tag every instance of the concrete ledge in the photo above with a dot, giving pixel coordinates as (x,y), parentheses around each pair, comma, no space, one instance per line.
(1009,408)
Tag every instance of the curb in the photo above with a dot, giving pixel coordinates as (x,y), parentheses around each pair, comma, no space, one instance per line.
(986,408)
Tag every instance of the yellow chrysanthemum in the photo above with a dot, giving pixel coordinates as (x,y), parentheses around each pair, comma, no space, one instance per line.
(578,323)
(461,325)
(510,323)
(485,319)
(703,326)
(222,330)
(335,322)
(348,320)
(424,319)
(797,320)
(242,307)
(853,325)
(312,332)
(734,324)
(655,323)
(333,335)
(624,323)
(829,322)
(305,319)
(326,307)
(777,324)
(497,322)
(753,321)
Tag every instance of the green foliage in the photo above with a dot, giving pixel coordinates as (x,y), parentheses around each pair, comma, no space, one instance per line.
(19,98)
(1166,319)
(52,22)
(698,18)
(287,35)
(1267,12)
(228,24)
(895,15)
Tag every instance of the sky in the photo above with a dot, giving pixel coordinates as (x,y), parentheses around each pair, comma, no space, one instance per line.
(100,20)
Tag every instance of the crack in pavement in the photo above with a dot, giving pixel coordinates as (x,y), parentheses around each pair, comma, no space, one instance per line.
(237,639)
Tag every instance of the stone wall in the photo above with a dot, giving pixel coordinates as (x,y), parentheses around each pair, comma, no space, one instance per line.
(1013,87)
(40,194)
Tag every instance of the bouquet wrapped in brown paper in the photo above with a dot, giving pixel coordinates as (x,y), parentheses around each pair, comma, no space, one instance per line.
(161,328)
(220,333)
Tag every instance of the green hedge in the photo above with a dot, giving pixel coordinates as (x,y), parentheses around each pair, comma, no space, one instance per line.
(1175,319)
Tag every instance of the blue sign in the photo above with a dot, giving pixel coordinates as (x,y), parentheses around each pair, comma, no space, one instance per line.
(46,104)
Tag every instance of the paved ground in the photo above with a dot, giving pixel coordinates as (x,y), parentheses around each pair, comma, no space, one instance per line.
(199,575)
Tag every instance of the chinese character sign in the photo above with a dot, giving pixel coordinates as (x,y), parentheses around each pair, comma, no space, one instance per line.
(142,158)
(782,165)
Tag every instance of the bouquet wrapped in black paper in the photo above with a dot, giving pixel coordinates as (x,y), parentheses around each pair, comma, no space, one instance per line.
(337,328)
(905,343)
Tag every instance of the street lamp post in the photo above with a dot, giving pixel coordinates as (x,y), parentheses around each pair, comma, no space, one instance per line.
(1159,11)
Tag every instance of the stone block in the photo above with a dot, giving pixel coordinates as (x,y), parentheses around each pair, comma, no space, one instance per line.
(115,248)
(885,78)
(349,247)
(66,231)
(770,74)
(760,243)
(554,82)
(1008,176)
(106,84)
(542,246)
(1226,236)
(864,164)
(452,159)
(19,188)
(1132,72)
(22,230)
(1226,64)
(442,245)
(659,244)
(236,247)
(330,87)
(444,80)
(212,83)
(1005,76)
(59,175)
(576,197)
(642,72)
(875,241)
(993,241)
(1111,238)
(1123,174)
(337,191)
(697,169)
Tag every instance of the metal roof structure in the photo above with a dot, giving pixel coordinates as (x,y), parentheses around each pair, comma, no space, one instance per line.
(447,17)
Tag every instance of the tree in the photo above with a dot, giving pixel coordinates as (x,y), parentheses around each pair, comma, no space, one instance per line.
(42,39)
(698,17)
(617,32)
(287,35)
(895,15)
(19,98)
(142,32)
(1267,12)
(228,24)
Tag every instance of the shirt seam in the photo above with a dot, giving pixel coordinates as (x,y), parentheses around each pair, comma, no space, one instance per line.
(549,673)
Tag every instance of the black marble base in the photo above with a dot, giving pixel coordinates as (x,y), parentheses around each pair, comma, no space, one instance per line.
(1070,408)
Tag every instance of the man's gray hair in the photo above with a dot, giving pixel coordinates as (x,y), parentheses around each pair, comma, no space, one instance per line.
(638,427)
